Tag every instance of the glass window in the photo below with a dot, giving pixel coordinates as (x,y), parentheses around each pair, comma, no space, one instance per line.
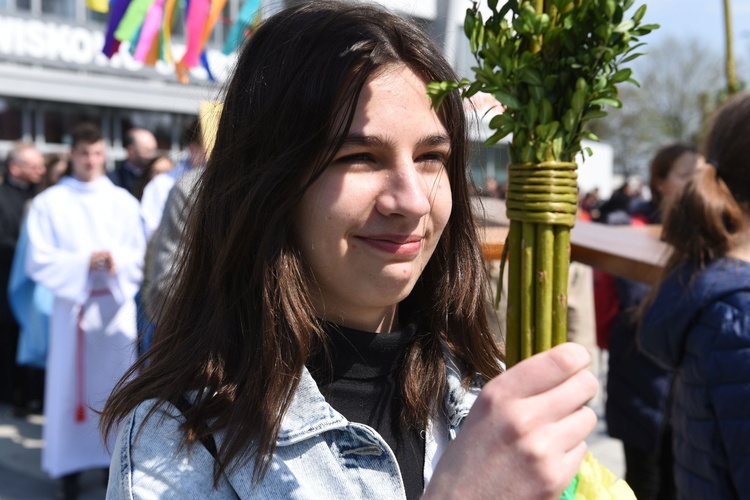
(96,17)
(60,118)
(23,4)
(62,8)
(11,119)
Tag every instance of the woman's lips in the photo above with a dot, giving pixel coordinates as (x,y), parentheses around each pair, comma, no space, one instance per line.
(395,245)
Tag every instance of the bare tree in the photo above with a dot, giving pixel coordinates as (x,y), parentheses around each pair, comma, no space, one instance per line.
(678,78)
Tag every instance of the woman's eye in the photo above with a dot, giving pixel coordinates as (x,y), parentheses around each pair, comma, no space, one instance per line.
(355,158)
(436,159)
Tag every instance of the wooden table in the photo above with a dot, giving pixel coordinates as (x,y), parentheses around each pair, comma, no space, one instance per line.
(629,252)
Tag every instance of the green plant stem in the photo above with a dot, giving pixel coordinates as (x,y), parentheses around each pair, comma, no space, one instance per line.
(545,246)
(560,285)
(513,318)
(528,237)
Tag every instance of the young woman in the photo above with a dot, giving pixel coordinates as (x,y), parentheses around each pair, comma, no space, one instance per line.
(637,388)
(326,335)
(698,323)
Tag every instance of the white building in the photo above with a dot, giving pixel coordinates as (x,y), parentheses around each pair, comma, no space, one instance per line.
(53,74)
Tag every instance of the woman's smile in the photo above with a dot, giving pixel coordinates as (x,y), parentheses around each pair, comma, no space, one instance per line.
(402,245)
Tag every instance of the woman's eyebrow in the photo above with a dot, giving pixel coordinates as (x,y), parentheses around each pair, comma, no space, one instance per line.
(355,139)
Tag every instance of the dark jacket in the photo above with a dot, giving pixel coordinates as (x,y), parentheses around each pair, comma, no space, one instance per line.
(125,176)
(12,202)
(637,388)
(700,327)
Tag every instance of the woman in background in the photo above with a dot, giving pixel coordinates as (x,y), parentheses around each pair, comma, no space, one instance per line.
(637,388)
(698,323)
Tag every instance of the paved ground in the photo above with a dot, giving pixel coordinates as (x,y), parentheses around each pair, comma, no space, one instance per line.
(22,479)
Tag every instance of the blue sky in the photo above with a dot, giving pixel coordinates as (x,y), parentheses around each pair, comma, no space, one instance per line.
(701,19)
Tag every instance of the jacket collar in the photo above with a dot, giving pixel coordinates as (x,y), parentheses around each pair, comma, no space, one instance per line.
(309,414)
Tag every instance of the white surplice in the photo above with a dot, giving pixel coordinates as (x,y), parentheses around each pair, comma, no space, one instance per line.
(93,326)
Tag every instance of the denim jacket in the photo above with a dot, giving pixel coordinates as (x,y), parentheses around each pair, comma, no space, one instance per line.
(319,454)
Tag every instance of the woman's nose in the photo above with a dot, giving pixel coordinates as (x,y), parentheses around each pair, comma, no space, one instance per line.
(406,191)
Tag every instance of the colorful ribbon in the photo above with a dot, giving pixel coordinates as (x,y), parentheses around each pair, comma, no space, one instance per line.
(147,26)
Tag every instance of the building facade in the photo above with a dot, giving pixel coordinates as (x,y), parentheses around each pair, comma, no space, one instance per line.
(53,75)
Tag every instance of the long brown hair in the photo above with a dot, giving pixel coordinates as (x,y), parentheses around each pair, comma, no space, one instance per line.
(708,218)
(239,326)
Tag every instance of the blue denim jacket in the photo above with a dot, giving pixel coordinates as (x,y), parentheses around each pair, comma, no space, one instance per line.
(319,454)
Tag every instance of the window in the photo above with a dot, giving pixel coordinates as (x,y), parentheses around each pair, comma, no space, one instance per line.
(96,17)
(59,119)
(11,119)
(62,8)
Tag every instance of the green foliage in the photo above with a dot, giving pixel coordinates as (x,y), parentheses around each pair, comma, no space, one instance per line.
(553,70)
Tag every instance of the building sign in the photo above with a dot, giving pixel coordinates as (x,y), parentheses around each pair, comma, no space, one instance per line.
(57,44)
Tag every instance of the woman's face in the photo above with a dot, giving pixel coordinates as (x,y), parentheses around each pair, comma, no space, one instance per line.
(682,168)
(369,224)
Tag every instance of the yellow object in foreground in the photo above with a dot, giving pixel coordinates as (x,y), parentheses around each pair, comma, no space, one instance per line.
(594,481)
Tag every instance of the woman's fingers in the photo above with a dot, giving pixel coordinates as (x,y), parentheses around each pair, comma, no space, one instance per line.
(546,370)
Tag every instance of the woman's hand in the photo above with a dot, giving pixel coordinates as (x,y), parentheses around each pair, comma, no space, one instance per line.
(524,436)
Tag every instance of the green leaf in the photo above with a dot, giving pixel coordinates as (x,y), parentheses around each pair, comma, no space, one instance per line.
(621,75)
(638,14)
(625,26)
(631,57)
(532,76)
(578,101)
(590,135)
(602,101)
(473,89)
(507,100)
(469,22)
(569,121)
(593,114)
(545,111)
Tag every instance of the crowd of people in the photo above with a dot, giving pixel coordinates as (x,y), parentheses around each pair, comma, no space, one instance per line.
(74,243)
(316,324)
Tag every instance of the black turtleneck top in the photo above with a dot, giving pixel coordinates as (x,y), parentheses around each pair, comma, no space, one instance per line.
(363,385)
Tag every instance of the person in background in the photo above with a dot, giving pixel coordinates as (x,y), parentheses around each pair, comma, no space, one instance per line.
(161,164)
(31,302)
(697,323)
(669,171)
(327,329)
(141,147)
(156,192)
(637,388)
(55,165)
(24,169)
(86,246)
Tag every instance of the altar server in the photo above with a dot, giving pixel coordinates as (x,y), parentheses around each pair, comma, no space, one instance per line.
(86,245)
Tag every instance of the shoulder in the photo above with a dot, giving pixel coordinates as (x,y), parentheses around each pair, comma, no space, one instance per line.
(120,194)
(51,194)
(150,460)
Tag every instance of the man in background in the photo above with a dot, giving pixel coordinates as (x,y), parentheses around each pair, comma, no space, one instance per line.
(141,147)
(86,246)
(24,170)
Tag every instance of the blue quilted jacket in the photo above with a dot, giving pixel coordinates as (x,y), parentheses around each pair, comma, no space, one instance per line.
(700,327)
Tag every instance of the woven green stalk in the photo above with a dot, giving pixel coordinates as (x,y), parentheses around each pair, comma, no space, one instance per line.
(538,259)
